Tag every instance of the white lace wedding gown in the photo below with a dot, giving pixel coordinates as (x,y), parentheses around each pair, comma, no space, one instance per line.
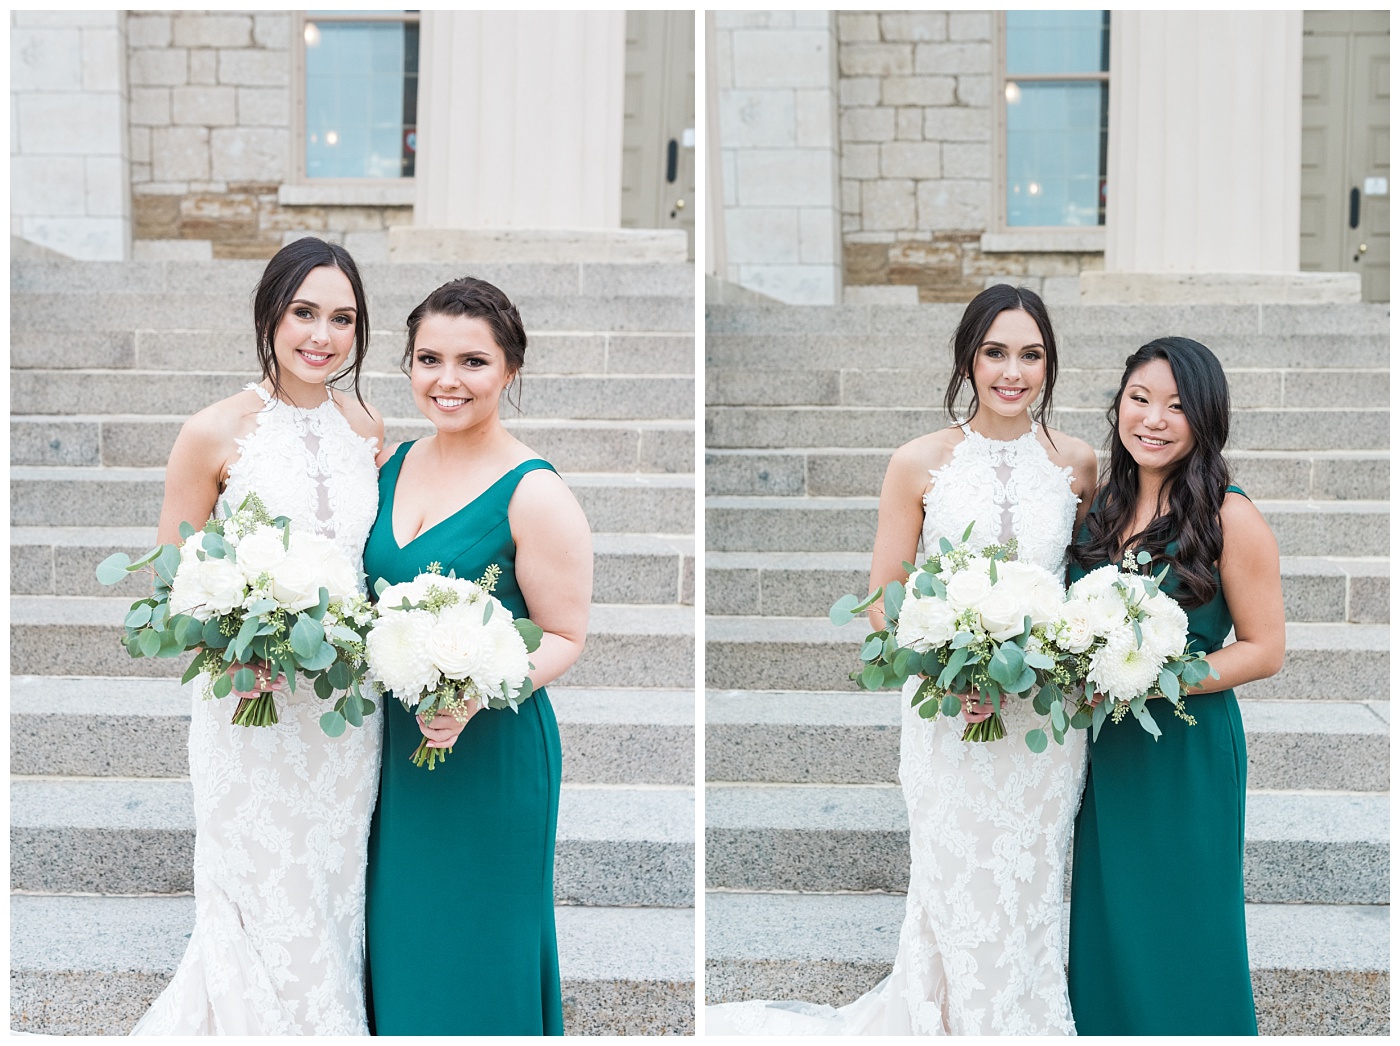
(980,949)
(282,812)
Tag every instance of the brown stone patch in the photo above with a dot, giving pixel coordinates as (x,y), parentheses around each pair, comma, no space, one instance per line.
(155,217)
(866,263)
(261,249)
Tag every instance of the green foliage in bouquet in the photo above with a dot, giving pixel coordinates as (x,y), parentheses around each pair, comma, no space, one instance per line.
(971,661)
(324,643)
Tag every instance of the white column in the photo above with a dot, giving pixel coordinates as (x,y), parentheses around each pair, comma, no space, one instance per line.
(520,120)
(1204,119)
(70,188)
(777,82)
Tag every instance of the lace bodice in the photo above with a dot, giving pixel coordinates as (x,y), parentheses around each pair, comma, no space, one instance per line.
(1006,488)
(312,467)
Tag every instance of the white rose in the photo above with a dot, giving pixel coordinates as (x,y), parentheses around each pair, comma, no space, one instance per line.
(260,552)
(1003,612)
(1076,631)
(296,581)
(205,589)
(457,644)
(506,658)
(223,584)
(967,587)
(925,622)
(397,652)
(336,572)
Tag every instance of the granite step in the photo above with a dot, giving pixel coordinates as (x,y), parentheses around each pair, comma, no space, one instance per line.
(184,349)
(1075,386)
(131,727)
(1300,847)
(1260,428)
(1323,661)
(1285,475)
(567,279)
(847,524)
(61,311)
(627,568)
(637,645)
(1317,969)
(1099,336)
(793,584)
(585,396)
(818,737)
(617,845)
(93,965)
(570,444)
(47,496)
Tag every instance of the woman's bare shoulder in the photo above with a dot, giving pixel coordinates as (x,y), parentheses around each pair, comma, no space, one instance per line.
(1068,451)
(928,452)
(363,418)
(227,419)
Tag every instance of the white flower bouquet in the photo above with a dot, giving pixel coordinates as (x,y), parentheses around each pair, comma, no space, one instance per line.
(1128,641)
(440,643)
(245,589)
(966,621)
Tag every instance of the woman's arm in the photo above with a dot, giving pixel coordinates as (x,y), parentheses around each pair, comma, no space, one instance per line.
(554,568)
(193,474)
(901,517)
(1085,482)
(1249,574)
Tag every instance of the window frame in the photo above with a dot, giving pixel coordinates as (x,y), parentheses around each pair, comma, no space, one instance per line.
(376,187)
(1005,237)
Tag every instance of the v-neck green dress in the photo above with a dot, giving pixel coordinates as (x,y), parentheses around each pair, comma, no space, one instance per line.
(459,911)
(1157,934)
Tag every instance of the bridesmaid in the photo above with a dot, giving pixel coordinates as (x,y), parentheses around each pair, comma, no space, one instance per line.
(1157,928)
(460,906)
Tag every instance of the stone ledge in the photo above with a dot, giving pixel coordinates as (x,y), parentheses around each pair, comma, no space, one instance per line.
(413,244)
(1219,288)
(1057,241)
(342,194)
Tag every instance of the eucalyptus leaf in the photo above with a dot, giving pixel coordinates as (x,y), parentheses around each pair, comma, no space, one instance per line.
(967,533)
(928,709)
(352,711)
(1143,558)
(322,604)
(945,545)
(323,687)
(843,611)
(244,680)
(490,609)
(961,639)
(1099,716)
(190,672)
(332,724)
(322,659)
(1057,715)
(213,638)
(873,646)
(1169,684)
(1041,701)
(950,705)
(113,568)
(1023,682)
(138,616)
(259,607)
(894,600)
(306,636)
(923,584)
(380,586)
(1036,740)
(871,677)
(1081,719)
(245,636)
(1036,659)
(530,632)
(223,685)
(930,663)
(187,530)
(149,643)
(167,561)
(1148,723)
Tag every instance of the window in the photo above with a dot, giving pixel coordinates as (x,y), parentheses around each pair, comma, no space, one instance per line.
(359,94)
(1054,104)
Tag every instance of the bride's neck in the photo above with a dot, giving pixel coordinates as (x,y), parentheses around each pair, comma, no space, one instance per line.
(996,426)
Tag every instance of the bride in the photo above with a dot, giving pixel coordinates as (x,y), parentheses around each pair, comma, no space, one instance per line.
(980,950)
(281,812)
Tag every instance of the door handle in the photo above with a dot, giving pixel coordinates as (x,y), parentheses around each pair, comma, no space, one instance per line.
(1355,207)
(673,157)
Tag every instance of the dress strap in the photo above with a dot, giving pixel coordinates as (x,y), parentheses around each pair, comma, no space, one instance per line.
(965,430)
(1232,489)
(263,394)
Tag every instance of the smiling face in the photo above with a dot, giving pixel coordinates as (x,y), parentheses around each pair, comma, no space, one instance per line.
(1151,423)
(1008,370)
(457,371)
(316,335)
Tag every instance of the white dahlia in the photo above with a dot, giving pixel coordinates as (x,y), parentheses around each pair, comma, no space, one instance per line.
(1122,670)
(397,652)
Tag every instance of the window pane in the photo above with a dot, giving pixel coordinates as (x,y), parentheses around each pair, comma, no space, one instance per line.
(1056,42)
(361,99)
(1056,135)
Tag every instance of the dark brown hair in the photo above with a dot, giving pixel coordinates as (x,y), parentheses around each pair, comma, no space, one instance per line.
(1193,492)
(468,296)
(281,280)
(977,319)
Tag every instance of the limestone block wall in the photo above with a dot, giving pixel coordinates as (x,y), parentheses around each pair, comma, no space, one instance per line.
(211,132)
(917,161)
(777,88)
(68,141)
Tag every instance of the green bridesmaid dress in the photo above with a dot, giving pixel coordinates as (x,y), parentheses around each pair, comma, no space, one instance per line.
(1157,933)
(459,908)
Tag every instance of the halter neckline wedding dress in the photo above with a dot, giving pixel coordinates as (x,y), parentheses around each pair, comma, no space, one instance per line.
(282,812)
(981,946)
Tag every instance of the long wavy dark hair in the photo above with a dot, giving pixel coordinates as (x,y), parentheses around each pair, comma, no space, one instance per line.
(976,320)
(1193,491)
(280,281)
(469,296)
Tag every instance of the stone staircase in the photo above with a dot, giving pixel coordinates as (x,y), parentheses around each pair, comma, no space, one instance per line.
(806,834)
(106,362)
